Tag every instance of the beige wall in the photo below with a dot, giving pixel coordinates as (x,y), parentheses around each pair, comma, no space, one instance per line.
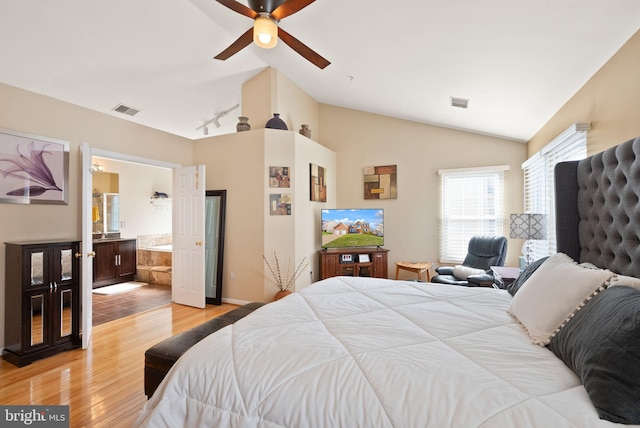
(609,100)
(250,230)
(36,114)
(412,221)
(270,92)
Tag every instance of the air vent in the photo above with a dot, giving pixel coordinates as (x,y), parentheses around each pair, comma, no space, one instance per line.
(459,102)
(121,108)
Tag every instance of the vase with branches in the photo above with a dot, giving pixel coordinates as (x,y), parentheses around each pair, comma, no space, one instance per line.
(283,279)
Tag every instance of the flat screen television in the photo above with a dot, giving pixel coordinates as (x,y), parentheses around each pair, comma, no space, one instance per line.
(356,227)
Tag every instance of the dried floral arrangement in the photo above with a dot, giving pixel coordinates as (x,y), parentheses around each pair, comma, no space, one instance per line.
(283,280)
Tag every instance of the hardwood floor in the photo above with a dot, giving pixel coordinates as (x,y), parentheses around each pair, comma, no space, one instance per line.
(103,385)
(111,307)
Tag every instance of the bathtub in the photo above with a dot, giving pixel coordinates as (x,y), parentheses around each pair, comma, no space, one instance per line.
(165,247)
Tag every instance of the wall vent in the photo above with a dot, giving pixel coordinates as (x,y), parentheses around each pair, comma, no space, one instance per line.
(459,102)
(121,108)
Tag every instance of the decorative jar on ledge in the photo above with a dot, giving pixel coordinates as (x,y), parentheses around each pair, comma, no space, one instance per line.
(243,124)
(276,123)
(305,130)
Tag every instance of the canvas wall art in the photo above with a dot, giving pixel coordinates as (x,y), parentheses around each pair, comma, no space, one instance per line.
(280,204)
(279,176)
(318,191)
(33,169)
(381,182)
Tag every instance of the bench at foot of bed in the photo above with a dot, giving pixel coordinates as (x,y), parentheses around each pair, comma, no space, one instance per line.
(162,356)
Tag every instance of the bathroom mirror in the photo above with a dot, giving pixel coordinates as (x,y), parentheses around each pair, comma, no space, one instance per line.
(215,206)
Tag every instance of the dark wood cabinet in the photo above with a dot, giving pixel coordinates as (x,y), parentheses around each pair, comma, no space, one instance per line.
(354,262)
(42,300)
(115,261)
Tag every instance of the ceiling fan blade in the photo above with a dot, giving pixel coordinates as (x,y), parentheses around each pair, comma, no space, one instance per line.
(302,49)
(290,7)
(242,42)
(239,7)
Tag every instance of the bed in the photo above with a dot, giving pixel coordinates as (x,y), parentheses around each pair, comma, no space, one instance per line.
(556,349)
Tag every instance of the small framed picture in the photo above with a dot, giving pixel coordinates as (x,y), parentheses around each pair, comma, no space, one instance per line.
(363,258)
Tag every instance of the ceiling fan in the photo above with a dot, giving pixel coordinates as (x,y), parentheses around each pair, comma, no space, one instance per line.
(265,32)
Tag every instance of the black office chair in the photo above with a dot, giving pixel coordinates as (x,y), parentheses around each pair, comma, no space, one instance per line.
(483,252)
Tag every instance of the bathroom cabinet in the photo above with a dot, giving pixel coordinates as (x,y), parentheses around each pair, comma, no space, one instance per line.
(115,261)
(42,300)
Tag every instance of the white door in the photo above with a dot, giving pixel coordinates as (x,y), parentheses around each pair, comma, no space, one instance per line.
(87,247)
(188,236)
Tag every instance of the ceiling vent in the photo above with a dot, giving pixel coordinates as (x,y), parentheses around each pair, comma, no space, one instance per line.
(459,102)
(121,108)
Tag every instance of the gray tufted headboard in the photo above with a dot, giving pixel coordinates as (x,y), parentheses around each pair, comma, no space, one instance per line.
(598,208)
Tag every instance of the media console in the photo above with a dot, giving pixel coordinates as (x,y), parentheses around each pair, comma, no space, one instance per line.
(371,262)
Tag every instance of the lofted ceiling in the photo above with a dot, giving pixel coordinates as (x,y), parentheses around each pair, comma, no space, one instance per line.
(517,62)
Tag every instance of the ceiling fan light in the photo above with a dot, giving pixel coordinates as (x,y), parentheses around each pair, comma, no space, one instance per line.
(265,32)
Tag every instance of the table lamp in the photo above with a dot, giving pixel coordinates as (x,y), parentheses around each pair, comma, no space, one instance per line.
(528,227)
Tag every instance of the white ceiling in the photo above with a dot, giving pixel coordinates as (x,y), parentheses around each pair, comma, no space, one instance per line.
(518,62)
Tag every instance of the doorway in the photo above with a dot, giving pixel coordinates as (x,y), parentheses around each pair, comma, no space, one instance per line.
(142,218)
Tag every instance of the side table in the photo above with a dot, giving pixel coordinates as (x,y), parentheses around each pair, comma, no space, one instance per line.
(418,267)
(504,275)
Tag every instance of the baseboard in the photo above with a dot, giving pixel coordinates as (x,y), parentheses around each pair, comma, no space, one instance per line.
(235,301)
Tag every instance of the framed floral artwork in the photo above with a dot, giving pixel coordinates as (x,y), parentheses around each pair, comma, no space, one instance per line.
(33,169)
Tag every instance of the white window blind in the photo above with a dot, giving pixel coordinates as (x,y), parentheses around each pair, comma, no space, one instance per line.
(539,195)
(472,204)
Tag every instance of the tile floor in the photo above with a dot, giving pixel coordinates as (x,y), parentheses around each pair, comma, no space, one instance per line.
(110,307)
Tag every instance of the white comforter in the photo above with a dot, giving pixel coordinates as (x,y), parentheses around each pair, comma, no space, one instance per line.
(355,352)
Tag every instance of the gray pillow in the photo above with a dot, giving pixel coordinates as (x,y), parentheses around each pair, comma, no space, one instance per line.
(524,275)
(601,344)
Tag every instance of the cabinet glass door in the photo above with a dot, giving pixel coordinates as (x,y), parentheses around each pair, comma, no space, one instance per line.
(37,307)
(66,313)
(38,267)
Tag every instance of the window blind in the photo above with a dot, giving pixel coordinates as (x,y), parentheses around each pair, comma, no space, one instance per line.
(539,194)
(472,204)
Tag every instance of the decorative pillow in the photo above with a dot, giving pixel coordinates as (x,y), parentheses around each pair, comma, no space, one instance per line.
(463,272)
(524,275)
(601,344)
(553,293)
(625,280)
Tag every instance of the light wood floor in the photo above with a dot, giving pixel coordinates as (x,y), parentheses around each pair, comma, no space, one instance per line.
(103,385)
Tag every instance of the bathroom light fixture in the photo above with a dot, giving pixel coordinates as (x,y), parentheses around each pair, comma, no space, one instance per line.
(215,121)
(265,31)
(96,167)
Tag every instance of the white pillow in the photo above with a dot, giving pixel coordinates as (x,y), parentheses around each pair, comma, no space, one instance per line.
(463,272)
(553,294)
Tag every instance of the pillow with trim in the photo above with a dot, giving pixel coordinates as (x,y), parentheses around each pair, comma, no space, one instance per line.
(553,294)
(601,344)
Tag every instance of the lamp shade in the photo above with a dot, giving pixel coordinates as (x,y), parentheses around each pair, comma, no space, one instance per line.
(265,32)
(528,226)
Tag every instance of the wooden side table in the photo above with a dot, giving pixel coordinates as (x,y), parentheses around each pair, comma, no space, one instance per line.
(418,267)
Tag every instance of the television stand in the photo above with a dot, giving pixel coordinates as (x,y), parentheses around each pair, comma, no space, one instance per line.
(364,261)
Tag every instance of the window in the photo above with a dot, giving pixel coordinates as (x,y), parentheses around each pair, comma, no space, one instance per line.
(472,200)
(539,195)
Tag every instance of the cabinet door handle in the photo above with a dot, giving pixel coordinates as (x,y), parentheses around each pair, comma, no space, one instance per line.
(55,286)
(119,260)
(50,288)
(91,254)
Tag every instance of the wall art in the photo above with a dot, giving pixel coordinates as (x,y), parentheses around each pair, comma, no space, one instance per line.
(280,204)
(279,176)
(381,182)
(317,176)
(33,169)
